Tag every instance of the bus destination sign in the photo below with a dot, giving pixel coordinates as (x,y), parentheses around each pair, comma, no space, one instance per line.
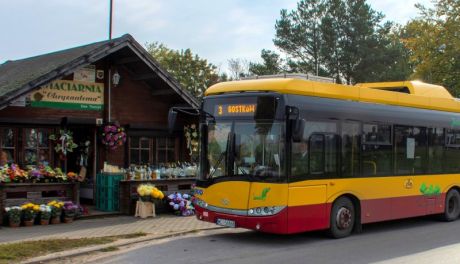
(235,109)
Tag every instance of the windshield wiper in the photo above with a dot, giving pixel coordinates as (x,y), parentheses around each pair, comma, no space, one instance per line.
(219,160)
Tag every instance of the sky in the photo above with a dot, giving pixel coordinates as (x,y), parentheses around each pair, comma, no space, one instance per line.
(215,30)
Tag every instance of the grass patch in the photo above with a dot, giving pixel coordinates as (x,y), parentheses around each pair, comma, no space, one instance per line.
(133,235)
(13,252)
(109,249)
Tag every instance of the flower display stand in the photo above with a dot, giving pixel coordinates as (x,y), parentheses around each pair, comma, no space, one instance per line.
(145,209)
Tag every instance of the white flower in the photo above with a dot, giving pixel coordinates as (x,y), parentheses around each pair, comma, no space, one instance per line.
(7,209)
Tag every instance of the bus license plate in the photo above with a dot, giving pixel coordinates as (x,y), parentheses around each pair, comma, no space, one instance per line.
(225,222)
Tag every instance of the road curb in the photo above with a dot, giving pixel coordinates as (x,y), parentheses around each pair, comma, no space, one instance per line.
(86,250)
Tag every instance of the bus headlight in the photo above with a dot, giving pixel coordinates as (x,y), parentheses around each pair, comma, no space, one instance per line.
(201,203)
(265,211)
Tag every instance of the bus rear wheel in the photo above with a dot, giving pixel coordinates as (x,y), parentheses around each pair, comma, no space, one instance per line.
(342,218)
(452,206)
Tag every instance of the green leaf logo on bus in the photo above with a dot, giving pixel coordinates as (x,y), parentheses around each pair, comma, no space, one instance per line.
(431,190)
(263,195)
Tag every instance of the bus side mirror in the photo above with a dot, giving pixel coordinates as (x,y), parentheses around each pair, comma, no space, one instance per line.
(298,127)
(172,116)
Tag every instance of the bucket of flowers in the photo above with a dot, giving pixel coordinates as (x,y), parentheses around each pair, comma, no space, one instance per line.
(14,215)
(59,175)
(148,192)
(29,212)
(56,211)
(70,210)
(181,204)
(72,176)
(35,174)
(16,174)
(4,176)
(45,214)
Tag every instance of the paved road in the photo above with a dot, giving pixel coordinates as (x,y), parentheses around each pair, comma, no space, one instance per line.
(420,240)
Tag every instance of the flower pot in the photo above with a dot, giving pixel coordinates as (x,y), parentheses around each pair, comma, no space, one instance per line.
(28,222)
(55,220)
(68,220)
(44,221)
(15,224)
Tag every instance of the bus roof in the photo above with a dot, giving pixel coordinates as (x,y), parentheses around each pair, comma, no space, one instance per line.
(405,93)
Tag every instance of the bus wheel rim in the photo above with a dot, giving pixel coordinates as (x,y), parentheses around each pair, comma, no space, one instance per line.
(344,218)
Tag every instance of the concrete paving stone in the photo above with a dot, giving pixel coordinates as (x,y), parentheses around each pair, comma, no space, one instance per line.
(120,225)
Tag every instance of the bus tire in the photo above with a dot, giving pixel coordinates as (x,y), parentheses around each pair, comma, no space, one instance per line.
(452,206)
(342,218)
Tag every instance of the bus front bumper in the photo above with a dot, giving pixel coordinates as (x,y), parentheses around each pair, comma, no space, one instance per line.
(276,224)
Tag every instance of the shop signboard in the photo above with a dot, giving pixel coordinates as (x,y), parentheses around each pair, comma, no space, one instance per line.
(67,94)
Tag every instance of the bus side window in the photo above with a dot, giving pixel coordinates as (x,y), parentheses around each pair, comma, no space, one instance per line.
(316,161)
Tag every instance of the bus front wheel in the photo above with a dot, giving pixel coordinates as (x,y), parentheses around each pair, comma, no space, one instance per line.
(452,206)
(342,218)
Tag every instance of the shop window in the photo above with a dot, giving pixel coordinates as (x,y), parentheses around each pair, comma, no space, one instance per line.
(8,145)
(145,150)
(36,146)
(377,155)
(140,150)
(165,150)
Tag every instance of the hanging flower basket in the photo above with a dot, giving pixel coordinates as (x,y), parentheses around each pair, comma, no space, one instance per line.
(113,136)
(64,143)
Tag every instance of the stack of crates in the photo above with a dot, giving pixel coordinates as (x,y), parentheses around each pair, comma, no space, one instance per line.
(108,191)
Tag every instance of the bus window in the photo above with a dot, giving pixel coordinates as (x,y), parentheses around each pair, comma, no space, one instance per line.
(452,151)
(351,132)
(377,155)
(436,150)
(410,150)
(317,154)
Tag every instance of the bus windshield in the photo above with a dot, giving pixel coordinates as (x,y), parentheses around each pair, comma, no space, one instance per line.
(245,149)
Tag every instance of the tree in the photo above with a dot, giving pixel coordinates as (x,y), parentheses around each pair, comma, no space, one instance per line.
(434,43)
(298,34)
(271,64)
(238,68)
(192,72)
(345,39)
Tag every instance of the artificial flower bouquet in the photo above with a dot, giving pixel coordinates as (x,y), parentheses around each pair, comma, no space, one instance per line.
(14,215)
(181,204)
(64,142)
(148,193)
(113,136)
(16,174)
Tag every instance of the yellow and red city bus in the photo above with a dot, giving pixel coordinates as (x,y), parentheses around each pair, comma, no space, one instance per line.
(288,155)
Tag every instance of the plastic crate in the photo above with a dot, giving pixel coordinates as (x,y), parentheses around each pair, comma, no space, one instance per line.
(107,191)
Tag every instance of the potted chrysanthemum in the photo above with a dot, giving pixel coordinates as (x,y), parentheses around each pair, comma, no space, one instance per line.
(14,215)
(56,211)
(29,212)
(45,214)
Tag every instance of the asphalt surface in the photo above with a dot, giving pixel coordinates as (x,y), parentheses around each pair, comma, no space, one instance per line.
(418,240)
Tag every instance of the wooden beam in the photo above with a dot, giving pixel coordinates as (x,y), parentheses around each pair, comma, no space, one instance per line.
(163,92)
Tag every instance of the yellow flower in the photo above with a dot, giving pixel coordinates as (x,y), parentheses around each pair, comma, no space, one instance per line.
(36,208)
